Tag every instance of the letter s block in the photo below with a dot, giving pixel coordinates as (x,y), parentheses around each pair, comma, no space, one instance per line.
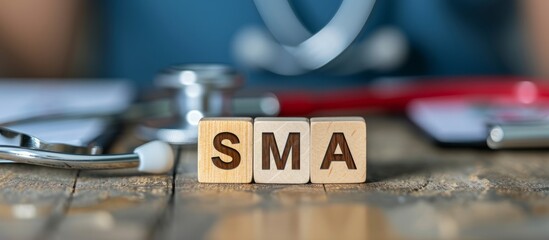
(281,150)
(225,150)
(338,150)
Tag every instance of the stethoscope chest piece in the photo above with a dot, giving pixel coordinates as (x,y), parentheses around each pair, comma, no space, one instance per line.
(199,90)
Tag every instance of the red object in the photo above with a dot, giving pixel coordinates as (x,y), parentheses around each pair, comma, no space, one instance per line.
(394,96)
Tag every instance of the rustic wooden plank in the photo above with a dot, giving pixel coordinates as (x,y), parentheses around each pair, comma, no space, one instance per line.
(414,189)
(32,199)
(203,210)
(411,163)
(116,204)
(456,193)
(418,167)
(426,192)
(397,159)
(266,211)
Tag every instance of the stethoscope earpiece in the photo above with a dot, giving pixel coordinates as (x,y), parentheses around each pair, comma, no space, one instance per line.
(155,157)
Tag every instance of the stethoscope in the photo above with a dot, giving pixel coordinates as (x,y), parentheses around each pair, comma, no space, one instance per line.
(205,90)
(153,157)
(290,49)
(200,90)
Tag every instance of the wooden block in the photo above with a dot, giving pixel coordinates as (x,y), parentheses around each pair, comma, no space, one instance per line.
(338,150)
(281,150)
(225,150)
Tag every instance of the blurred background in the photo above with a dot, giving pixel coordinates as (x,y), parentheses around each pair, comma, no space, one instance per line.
(471,74)
(135,39)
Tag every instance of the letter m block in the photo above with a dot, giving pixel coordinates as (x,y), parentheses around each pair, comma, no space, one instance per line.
(281,150)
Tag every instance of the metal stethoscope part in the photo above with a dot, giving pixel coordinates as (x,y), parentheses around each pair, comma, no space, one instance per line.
(152,157)
(289,48)
(10,137)
(203,90)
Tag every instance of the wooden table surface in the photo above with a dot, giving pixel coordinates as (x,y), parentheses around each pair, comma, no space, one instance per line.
(414,190)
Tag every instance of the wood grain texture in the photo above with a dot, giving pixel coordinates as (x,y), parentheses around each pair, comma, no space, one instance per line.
(115,204)
(225,150)
(281,150)
(460,193)
(235,211)
(32,200)
(338,150)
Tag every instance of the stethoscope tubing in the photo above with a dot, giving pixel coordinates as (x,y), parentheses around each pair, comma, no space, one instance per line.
(67,160)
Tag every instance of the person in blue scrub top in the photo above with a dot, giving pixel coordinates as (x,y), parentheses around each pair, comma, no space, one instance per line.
(468,37)
(135,39)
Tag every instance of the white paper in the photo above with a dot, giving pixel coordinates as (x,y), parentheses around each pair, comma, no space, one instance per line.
(22,99)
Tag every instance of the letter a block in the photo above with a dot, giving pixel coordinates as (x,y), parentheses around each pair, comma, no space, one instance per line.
(281,150)
(225,150)
(338,150)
